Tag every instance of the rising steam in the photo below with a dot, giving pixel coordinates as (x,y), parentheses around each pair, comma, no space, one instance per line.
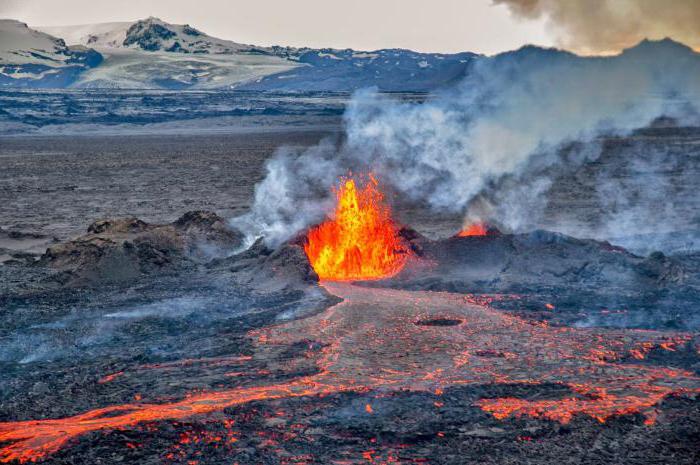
(606,26)
(488,147)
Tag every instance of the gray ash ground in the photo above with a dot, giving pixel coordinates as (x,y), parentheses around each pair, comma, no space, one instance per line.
(57,185)
(153,311)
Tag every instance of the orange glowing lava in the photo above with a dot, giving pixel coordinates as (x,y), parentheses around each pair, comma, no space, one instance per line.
(474,229)
(384,350)
(361,241)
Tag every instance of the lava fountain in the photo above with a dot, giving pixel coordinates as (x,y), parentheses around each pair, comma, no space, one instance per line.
(360,241)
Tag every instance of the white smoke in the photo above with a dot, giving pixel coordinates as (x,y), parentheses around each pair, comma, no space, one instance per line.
(293,195)
(486,146)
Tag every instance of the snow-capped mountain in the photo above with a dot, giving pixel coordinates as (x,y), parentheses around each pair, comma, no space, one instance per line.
(154,54)
(29,58)
(151,34)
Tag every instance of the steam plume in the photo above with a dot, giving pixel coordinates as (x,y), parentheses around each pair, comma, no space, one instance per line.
(487,147)
(606,26)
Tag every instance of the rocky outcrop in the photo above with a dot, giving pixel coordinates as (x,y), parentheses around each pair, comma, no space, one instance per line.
(265,270)
(553,276)
(121,250)
(148,35)
(501,262)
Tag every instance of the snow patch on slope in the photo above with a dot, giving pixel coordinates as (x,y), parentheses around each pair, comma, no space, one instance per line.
(32,58)
(20,45)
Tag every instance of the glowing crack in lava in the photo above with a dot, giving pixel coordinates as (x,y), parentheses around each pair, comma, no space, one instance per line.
(474,229)
(361,241)
(385,350)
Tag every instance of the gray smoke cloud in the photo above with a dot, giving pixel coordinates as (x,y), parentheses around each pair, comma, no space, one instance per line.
(488,148)
(604,26)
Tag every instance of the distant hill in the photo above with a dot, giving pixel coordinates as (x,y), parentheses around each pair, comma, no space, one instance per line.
(393,70)
(151,35)
(29,58)
(153,54)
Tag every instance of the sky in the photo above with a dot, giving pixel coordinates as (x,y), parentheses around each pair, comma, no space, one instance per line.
(421,25)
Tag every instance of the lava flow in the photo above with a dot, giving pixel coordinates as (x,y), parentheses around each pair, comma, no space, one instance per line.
(371,342)
(361,241)
(474,229)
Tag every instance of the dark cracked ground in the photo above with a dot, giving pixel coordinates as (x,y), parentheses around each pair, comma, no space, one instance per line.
(145,342)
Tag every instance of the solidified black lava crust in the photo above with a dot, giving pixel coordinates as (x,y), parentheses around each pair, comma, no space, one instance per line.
(439,322)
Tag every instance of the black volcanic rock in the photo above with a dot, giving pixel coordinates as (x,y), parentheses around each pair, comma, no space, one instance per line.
(190,31)
(121,250)
(148,34)
(265,270)
(540,258)
(588,282)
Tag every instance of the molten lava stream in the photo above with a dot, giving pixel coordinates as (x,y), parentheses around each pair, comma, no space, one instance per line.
(361,241)
(371,341)
(29,441)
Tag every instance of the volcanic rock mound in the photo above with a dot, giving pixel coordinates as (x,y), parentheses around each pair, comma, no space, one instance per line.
(266,270)
(547,275)
(121,250)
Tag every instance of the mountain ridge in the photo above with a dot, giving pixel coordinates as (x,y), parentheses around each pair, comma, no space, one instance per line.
(153,54)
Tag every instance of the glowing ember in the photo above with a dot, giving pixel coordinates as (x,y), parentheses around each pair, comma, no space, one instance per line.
(474,229)
(361,242)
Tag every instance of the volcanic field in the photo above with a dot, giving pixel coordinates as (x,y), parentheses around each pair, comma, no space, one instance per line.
(360,341)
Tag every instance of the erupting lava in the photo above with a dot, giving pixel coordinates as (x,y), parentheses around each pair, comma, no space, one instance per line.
(361,241)
(385,350)
(474,229)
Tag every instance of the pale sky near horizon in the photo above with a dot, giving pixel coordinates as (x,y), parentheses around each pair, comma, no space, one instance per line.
(431,26)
